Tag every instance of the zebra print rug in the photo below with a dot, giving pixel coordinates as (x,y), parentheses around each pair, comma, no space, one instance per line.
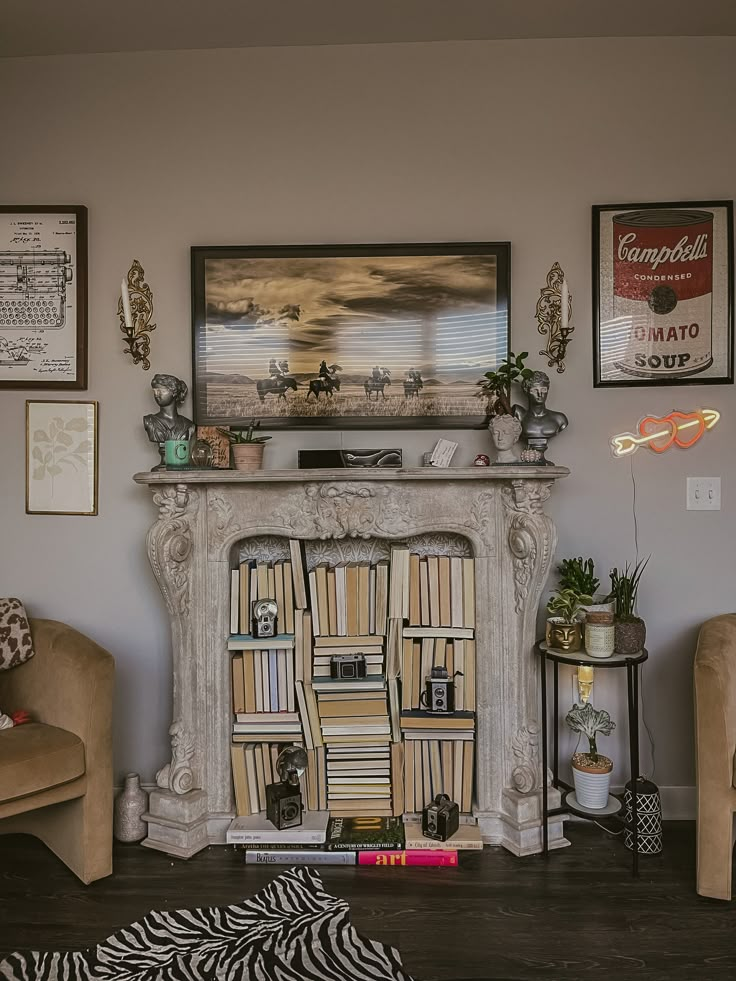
(290,931)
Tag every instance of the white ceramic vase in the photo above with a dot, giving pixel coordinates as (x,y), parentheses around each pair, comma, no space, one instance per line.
(591,786)
(130,804)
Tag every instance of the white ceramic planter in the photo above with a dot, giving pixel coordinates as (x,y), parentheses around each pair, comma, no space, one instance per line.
(591,789)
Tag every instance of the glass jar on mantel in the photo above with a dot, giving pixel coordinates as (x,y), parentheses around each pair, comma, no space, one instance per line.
(600,634)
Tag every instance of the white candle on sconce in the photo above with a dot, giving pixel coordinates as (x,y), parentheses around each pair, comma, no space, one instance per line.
(127,312)
(564,304)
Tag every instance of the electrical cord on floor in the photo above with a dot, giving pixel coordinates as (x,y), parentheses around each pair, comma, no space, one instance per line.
(652,746)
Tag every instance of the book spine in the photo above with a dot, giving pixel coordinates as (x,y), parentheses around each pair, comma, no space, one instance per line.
(267,857)
(266,838)
(413,857)
(357,846)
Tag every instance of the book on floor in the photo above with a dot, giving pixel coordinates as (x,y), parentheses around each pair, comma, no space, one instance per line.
(398,859)
(274,857)
(257,828)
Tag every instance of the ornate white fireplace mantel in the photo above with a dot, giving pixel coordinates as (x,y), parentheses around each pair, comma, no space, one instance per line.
(499,511)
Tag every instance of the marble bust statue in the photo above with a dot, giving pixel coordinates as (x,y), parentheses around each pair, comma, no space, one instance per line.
(505,432)
(538,423)
(169,392)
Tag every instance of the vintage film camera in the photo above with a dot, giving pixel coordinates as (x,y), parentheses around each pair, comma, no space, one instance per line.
(264,613)
(347,667)
(441,818)
(439,694)
(284,803)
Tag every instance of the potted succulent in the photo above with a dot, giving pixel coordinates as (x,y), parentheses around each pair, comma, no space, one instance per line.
(591,771)
(579,575)
(245,447)
(564,626)
(631,631)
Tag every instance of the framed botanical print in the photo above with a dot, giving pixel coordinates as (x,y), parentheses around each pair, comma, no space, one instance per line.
(43,296)
(663,294)
(371,336)
(61,457)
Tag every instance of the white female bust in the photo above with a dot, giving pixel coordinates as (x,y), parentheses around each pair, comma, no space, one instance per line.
(505,433)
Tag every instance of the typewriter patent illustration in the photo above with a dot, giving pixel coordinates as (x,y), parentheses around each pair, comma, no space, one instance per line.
(33,289)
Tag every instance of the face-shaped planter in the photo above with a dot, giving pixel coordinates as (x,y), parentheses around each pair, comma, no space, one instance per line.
(562,636)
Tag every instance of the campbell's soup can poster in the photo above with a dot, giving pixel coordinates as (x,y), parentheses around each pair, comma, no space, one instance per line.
(665,303)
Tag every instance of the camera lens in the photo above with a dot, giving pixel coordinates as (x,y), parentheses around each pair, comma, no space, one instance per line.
(290,811)
(348,670)
(431,821)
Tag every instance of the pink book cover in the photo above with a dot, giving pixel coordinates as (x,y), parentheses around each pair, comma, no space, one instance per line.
(409,857)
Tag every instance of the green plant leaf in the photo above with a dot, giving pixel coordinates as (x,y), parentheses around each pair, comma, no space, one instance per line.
(78,424)
(39,472)
(39,436)
(37,454)
(64,438)
(54,470)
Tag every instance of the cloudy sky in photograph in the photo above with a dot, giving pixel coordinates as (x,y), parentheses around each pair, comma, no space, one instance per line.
(396,311)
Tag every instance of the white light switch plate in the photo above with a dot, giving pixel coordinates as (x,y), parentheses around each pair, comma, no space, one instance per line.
(704,493)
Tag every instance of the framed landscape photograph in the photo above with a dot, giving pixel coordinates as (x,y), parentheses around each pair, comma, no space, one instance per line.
(361,337)
(61,457)
(663,294)
(43,296)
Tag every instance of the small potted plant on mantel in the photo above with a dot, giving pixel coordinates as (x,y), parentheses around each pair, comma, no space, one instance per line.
(591,771)
(496,389)
(579,575)
(564,627)
(245,447)
(630,629)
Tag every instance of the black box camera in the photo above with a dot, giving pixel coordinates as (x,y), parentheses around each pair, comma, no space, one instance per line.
(441,818)
(264,613)
(284,805)
(347,667)
(439,695)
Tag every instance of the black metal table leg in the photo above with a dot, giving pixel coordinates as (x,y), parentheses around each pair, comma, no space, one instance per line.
(555,727)
(635,796)
(545,829)
(632,692)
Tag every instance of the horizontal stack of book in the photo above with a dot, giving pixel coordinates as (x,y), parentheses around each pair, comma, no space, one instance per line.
(349,599)
(381,841)
(370,646)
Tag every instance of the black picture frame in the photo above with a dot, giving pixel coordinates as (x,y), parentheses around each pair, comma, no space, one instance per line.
(43,297)
(382,301)
(662,294)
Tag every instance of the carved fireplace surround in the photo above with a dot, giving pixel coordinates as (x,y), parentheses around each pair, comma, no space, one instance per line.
(499,511)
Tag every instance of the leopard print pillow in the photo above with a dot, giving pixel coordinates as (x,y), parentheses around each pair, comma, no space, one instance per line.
(16,643)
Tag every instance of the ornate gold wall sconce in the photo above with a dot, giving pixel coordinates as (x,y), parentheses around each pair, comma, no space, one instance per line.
(554,313)
(135,310)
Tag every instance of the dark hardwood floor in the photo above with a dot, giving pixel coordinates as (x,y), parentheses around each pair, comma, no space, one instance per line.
(574,916)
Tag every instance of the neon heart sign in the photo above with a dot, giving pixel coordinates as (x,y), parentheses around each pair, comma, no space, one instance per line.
(682,429)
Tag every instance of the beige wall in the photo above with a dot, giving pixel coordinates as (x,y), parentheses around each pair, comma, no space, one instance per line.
(431,142)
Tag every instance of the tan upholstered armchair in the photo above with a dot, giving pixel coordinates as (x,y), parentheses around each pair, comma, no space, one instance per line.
(715,738)
(56,772)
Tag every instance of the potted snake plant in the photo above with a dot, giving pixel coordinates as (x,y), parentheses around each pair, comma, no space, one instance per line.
(246,448)
(591,770)
(630,629)
(564,626)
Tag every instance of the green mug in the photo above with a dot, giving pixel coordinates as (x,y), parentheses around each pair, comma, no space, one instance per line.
(176,452)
